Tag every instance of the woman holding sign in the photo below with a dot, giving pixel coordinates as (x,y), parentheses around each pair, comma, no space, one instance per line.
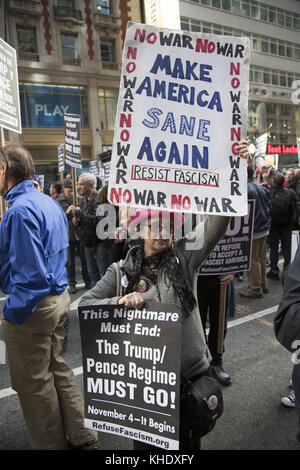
(159,269)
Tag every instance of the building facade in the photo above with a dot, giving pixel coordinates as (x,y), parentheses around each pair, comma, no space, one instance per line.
(69,61)
(273,27)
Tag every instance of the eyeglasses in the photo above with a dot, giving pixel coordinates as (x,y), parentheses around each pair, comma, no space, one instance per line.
(158,228)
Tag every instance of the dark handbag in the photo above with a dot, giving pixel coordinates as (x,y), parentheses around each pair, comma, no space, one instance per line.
(201,405)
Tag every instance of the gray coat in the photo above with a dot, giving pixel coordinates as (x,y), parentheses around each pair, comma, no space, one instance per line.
(191,252)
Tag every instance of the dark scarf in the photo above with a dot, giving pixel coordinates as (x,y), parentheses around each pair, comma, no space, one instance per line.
(169,262)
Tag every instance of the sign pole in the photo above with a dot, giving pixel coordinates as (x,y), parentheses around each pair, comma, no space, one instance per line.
(222,313)
(75,198)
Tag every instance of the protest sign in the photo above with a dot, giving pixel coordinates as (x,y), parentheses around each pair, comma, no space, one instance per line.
(61,158)
(106,166)
(131,371)
(72,140)
(182,109)
(266,163)
(261,145)
(233,253)
(9,89)
(93,167)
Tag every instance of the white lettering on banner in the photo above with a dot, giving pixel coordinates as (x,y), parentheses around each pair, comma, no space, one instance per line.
(111,387)
(58,109)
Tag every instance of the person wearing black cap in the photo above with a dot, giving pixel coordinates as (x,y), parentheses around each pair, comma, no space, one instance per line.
(66,202)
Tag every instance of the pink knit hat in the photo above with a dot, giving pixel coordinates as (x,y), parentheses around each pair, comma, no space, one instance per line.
(146,213)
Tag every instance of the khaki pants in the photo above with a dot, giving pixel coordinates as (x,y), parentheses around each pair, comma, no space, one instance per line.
(257,275)
(49,395)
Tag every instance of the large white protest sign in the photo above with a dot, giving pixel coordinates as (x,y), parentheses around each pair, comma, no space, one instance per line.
(182,109)
(9,89)
(131,371)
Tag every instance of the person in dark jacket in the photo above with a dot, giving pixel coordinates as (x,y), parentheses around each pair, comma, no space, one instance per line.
(287,324)
(85,219)
(66,203)
(257,282)
(283,202)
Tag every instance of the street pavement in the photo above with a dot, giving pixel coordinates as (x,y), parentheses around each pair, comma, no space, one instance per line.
(253,417)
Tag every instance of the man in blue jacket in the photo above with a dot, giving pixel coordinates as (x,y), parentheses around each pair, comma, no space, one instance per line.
(33,255)
(257,281)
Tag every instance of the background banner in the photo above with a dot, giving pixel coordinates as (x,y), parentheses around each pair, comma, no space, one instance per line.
(182,109)
(233,253)
(131,371)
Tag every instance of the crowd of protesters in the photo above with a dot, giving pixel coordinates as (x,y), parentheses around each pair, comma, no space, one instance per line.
(58,238)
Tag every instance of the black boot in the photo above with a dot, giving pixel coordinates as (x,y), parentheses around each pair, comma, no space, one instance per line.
(219,373)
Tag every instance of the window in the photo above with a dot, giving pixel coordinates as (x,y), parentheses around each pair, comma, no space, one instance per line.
(289,51)
(195,25)
(108,51)
(297,52)
(216,3)
(69,46)
(256,44)
(245,9)
(185,24)
(263,14)
(206,28)
(226,5)
(26,39)
(281,49)
(254,11)
(103,7)
(236,7)
(296,21)
(272,15)
(273,48)
(205,2)
(280,17)
(274,78)
(282,78)
(257,76)
(227,32)
(265,46)
(217,30)
(108,100)
(266,77)
(45,105)
(288,21)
